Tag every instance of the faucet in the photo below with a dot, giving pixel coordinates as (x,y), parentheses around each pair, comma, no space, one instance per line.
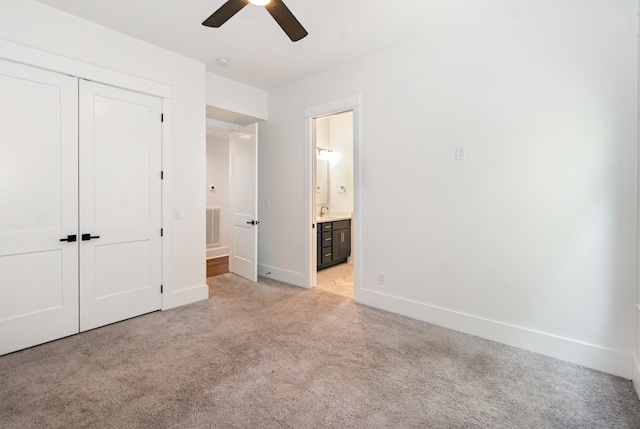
(322,211)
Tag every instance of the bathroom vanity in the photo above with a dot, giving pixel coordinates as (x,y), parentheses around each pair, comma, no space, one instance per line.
(334,241)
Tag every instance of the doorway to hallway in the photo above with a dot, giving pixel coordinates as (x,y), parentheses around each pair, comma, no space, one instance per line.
(232,200)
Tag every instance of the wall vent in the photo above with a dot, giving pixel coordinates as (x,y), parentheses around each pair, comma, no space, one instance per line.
(213,226)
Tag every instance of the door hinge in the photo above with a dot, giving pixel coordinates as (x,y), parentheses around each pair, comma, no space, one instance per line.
(162,117)
(161,289)
(162,175)
(161,232)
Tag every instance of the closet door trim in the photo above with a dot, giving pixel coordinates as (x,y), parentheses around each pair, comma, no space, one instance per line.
(52,62)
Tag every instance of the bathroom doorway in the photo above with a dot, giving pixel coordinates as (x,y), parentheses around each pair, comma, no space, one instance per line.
(333,191)
(333,135)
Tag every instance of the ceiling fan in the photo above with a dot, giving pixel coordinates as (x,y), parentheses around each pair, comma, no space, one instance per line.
(278,10)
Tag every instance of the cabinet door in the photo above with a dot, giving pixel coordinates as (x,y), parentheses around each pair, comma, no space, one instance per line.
(341,244)
(38,206)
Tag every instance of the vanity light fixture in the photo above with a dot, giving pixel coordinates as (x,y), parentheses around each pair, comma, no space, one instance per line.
(324,154)
(328,155)
(259,2)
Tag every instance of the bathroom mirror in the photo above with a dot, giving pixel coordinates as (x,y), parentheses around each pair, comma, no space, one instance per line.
(322,182)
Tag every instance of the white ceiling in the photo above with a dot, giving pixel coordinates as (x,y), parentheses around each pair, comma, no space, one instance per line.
(259,52)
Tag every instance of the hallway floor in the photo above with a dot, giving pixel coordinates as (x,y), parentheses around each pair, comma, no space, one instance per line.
(337,279)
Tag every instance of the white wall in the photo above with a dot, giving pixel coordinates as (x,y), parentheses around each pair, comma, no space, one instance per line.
(218,175)
(531,240)
(636,366)
(236,97)
(39,26)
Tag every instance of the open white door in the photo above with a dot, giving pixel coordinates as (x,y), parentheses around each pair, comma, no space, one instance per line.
(120,204)
(244,202)
(38,206)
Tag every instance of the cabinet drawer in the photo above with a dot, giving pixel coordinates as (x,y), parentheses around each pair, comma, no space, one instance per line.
(326,226)
(327,256)
(326,239)
(341,224)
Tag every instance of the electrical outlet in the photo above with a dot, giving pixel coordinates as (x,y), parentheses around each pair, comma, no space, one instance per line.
(461,153)
(382,278)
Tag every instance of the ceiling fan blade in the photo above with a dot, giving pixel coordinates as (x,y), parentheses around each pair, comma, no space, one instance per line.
(225,12)
(286,20)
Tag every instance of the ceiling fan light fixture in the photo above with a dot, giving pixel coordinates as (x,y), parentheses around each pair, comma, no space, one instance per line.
(276,8)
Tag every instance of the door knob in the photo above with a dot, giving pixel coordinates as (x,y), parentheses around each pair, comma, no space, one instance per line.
(70,238)
(253,222)
(87,237)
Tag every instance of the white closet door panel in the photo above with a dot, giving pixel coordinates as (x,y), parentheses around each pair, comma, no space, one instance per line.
(122,146)
(132,260)
(38,206)
(120,190)
(29,297)
(27,117)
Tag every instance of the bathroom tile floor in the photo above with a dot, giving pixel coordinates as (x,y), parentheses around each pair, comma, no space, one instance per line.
(337,280)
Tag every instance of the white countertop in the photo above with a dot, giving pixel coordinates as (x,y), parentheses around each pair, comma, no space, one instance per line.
(332,218)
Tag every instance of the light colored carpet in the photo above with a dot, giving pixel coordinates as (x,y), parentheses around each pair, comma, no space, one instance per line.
(269,355)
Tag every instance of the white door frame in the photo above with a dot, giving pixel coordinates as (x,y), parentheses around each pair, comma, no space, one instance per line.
(230,128)
(351,103)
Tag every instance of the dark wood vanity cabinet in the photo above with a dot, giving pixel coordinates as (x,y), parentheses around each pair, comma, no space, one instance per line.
(334,243)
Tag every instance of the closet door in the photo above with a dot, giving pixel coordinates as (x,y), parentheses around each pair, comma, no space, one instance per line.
(120,206)
(38,206)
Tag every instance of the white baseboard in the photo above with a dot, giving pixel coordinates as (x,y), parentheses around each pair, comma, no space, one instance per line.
(178,298)
(605,360)
(290,277)
(217,252)
(636,376)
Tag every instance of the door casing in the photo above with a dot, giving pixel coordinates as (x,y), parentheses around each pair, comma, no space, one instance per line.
(336,106)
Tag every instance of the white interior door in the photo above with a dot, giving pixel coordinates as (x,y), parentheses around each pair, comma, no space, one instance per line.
(38,206)
(244,202)
(120,204)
